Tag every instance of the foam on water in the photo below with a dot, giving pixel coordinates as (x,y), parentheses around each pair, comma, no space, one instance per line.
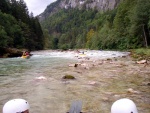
(52,54)
(73,54)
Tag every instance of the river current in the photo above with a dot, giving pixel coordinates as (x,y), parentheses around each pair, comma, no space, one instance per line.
(20,78)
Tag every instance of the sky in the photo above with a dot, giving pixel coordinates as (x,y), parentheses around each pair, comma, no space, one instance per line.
(37,6)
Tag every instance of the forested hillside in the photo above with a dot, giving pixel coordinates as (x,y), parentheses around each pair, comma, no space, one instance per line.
(18,28)
(125,27)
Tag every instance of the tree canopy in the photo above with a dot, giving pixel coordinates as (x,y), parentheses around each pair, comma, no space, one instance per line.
(17,28)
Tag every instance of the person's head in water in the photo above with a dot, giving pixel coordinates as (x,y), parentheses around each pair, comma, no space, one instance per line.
(16,106)
(124,106)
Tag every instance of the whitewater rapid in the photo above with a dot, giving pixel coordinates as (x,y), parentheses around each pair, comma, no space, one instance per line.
(93,54)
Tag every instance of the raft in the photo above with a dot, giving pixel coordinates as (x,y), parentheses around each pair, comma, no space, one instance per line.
(25,56)
(82,55)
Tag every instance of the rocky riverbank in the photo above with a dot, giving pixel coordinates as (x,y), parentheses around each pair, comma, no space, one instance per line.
(11,52)
(127,77)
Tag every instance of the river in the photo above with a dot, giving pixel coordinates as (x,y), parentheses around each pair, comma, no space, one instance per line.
(19,78)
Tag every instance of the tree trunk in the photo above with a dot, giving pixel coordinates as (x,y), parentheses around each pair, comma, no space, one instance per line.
(145,38)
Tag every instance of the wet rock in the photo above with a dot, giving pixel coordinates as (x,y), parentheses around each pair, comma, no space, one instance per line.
(73,65)
(117,96)
(124,56)
(141,62)
(130,90)
(92,83)
(109,59)
(4,75)
(87,58)
(66,82)
(100,63)
(68,77)
(105,99)
(11,52)
(146,83)
(41,78)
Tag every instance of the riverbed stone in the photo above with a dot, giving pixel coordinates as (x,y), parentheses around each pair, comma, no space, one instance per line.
(141,62)
(68,77)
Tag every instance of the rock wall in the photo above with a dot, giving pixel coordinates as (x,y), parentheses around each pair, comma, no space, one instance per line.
(98,4)
(101,5)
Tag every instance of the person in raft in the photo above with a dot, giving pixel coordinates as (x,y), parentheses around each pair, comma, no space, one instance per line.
(25,53)
(22,106)
(124,105)
(16,106)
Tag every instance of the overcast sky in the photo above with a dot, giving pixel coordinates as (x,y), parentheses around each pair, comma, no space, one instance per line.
(37,6)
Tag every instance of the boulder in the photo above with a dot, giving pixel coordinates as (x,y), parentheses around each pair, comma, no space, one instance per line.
(73,65)
(41,78)
(141,62)
(68,77)
(10,52)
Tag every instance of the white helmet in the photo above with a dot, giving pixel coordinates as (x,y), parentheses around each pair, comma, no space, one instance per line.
(16,106)
(124,106)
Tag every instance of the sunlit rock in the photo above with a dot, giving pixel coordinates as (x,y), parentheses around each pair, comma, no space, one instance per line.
(141,62)
(41,78)
(92,82)
(130,90)
(73,65)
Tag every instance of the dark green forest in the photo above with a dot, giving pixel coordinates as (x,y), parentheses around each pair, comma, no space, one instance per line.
(18,28)
(125,27)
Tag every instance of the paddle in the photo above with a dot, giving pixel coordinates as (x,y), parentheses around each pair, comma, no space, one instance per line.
(76,107)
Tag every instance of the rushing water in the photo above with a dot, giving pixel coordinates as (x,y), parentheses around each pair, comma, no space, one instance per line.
(18,79)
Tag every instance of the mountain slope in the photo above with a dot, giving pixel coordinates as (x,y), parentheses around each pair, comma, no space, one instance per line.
(100,5)
(123,27)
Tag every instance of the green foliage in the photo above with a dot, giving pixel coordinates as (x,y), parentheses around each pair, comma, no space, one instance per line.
(5,6)
(3,37)
(17,28)
(141,53)
(46,39)
(89,38)
(140,25)
(121,28)
(71,25)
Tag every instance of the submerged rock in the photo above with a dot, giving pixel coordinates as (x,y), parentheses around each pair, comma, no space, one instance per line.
(68,77)
(10,52)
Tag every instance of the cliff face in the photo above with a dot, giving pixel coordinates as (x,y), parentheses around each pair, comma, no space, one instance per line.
(101,5)
(98,4)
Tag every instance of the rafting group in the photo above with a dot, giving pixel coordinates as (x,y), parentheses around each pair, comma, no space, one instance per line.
(25,55)
(123,105)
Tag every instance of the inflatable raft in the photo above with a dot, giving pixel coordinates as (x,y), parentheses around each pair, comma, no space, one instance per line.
(25,56)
